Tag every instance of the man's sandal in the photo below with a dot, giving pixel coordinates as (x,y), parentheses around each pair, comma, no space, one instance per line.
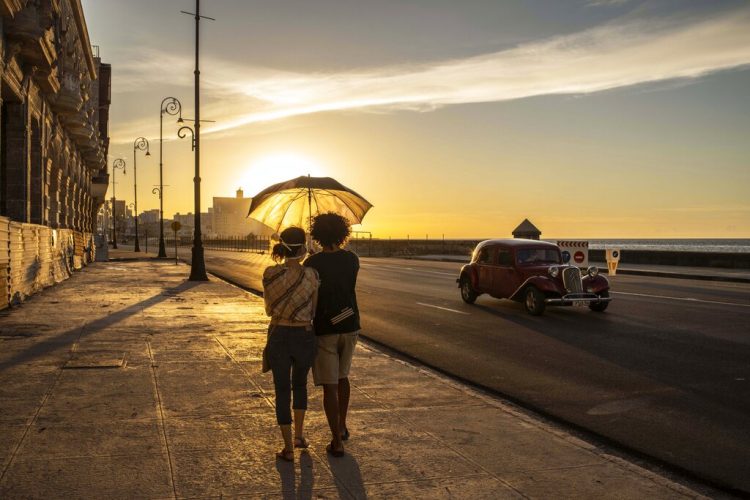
(334,452)
(301,443)
(286,455)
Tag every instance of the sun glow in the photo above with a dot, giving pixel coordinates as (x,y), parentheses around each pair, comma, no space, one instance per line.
(277,167)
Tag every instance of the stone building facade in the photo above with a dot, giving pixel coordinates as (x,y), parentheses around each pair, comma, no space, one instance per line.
(54,139)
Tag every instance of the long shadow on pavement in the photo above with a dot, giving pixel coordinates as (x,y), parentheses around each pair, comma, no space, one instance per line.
(54,343)
(348,476)
(288,478)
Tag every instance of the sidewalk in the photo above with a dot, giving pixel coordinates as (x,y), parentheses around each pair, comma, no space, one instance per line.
(129,382)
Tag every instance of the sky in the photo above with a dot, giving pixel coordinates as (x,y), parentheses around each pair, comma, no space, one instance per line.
(592,118)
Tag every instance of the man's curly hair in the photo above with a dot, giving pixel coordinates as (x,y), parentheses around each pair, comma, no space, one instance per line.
(330,229)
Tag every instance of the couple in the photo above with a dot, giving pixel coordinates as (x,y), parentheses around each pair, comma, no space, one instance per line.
(314,323)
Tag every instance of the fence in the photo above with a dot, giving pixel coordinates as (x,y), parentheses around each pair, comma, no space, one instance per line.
(33,257)
(257,244)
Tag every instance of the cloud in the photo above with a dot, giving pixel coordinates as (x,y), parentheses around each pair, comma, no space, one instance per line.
(606,3)
(602,58)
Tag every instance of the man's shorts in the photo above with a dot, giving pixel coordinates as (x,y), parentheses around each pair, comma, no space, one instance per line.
(334,357)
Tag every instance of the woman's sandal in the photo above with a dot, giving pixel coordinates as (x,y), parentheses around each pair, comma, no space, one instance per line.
(332,451)
(301,443)
(286,455)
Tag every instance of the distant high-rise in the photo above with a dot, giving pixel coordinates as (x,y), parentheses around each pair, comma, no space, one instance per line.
(230,217)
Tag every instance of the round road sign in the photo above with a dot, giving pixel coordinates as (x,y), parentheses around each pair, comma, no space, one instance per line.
(578,256)
(176,226)
(566,256)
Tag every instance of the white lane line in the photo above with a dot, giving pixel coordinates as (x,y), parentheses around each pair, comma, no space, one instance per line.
(443,308)
(684,299)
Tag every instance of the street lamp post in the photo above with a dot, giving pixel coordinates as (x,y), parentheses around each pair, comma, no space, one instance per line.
(118,163)
(139,144)
(197,263)
(171,106)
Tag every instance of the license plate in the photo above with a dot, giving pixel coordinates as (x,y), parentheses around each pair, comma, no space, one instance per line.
(579,303)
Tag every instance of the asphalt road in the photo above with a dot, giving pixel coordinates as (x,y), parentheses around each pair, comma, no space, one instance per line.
(664,371)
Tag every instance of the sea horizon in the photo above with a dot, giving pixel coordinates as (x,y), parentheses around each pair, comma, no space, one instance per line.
(723,245)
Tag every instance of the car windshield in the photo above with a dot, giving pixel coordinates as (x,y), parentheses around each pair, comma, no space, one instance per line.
(537,256)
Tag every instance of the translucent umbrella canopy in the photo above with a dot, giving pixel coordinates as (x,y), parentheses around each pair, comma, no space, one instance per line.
(294,202)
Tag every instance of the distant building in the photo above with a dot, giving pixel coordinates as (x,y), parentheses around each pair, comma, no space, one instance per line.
(527,230)
(187,223)
(149,217)
(230,217)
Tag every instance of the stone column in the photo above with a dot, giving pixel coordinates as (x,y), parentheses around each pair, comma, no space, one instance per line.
(16,163)
(37,171)
(54,194)
(65,202)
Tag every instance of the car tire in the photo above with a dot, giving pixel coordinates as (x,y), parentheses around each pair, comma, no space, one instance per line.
(600,306)
(533,299)
(468,294)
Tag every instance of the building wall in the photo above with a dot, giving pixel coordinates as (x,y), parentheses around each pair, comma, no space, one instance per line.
(53,136)
(230,217)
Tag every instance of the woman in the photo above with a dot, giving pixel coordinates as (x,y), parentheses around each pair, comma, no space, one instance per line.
(290,293)
(336,321)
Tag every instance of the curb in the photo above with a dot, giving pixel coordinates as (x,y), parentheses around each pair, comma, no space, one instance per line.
(699,277)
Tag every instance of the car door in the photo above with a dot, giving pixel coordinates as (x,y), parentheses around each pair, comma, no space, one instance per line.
(504,276)
(484,268)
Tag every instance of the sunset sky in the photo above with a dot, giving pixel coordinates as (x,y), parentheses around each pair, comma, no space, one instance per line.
(593,118)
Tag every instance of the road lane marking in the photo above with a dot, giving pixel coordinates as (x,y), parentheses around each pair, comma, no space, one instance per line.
(443,308)
(685,299)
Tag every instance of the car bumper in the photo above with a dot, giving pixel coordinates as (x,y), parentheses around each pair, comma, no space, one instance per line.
(576,299)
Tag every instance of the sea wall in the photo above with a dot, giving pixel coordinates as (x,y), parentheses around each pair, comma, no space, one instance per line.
(411,248)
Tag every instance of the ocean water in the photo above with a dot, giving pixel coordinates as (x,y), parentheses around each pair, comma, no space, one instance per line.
(680,245)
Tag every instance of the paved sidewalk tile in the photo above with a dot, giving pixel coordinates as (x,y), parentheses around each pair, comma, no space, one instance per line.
(129,382)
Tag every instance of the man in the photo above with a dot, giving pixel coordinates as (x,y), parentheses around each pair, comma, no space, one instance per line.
(336,321)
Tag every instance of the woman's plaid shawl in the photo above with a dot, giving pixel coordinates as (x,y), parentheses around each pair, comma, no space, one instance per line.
(288,293)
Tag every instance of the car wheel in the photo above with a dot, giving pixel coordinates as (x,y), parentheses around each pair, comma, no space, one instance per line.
(534,301)
(600,306)
(468,294)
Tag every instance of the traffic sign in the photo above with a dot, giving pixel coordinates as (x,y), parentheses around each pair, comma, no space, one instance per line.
(176,226)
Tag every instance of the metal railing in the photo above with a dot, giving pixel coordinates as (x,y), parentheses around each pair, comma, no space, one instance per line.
(256,244)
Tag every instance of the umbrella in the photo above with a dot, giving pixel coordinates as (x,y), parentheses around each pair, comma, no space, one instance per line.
(296,201)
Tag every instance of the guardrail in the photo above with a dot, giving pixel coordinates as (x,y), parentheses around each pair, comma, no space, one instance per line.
(257,244)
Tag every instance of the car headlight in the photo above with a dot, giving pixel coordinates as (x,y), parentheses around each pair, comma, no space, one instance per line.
(553,271)
(593,271)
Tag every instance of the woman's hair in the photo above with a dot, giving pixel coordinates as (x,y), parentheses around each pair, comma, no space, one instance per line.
(292,244)
(330,229)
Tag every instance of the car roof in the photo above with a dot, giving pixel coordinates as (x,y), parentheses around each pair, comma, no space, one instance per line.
(517,243)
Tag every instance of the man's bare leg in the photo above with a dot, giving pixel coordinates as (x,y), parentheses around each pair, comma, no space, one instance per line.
(331,407)
(344,391)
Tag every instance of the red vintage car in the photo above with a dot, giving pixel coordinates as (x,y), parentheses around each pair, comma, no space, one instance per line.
(531,272)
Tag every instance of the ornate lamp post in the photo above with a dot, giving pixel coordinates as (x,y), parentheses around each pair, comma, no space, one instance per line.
(170,106)
(139,144)
(118,163)
(197,263)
